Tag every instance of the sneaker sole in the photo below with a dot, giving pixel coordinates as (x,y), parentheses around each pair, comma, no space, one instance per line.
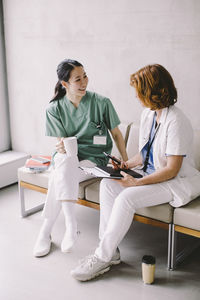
(115,262)
(93,276)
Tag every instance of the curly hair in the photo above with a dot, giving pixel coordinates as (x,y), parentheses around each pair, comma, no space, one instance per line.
(154,87)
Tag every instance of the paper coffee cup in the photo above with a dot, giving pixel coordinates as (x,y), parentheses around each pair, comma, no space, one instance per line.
(148,269)
(71,146)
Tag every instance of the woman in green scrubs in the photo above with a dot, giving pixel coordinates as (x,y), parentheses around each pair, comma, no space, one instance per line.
(89,117)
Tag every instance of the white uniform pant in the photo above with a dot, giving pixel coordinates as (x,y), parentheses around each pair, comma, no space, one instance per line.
(118,205)
(64,182)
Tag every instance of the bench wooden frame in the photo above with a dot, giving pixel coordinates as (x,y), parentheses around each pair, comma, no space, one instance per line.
(145,220)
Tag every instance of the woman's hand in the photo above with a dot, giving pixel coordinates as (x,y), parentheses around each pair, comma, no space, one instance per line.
(168,172)
(122,166)
(60,146)
(127,180)
(119,141)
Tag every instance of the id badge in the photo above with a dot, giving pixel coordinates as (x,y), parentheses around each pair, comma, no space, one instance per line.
(99,139)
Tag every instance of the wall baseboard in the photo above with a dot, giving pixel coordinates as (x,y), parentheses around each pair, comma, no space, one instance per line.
(10,161)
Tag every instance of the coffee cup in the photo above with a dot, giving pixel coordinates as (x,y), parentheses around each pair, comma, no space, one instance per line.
(71,147)
(148,269)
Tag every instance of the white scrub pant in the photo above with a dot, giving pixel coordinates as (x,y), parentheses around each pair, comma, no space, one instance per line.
(64,182)
(118,205)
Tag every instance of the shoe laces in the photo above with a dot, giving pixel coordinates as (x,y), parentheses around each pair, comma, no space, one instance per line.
(83,260)
(89,261)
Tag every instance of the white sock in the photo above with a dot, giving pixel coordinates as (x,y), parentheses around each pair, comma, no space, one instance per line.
(46,228)
(48,223)
(70,217)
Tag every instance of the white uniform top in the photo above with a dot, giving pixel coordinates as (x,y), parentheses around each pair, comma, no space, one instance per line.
(174,137)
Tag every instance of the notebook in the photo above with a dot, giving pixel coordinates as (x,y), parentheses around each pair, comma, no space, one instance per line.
(38,162)
(109,172)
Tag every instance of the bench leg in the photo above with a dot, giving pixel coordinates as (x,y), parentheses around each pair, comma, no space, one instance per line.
(177,258)
(26,212)
(173,249)
(21,198)
(169,247)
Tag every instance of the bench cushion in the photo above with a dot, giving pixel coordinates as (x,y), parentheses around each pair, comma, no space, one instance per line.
(162,212)
(41,180)
(188,215)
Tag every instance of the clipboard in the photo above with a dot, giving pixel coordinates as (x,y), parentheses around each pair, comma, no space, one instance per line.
(109,172)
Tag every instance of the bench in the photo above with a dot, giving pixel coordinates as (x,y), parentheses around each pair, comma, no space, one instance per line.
(163,216)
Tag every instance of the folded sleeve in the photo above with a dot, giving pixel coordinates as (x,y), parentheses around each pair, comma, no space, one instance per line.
(54,126)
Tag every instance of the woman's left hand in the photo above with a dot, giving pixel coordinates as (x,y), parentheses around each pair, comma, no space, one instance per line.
(60,148)
(127,180)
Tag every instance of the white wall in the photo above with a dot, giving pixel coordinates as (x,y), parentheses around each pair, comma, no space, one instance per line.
(112,38)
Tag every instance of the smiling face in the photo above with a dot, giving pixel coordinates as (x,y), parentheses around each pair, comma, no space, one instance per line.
(77,83)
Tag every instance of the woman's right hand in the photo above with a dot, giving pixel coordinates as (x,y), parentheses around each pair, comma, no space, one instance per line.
(60,146)
(122,166)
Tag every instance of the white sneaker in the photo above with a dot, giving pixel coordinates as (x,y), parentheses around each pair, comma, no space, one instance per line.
(115,260)
(42,246)
(89,268)
(68,242)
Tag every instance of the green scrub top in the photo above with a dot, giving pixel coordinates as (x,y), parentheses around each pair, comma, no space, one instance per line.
(93,117)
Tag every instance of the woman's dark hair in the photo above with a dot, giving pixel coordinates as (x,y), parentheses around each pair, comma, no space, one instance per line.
(154,87)
(63,71)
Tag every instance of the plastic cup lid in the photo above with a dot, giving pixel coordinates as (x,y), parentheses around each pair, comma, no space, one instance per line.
(148,259)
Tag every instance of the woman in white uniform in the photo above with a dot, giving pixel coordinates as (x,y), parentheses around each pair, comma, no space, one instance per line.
(75,112)
(165,161)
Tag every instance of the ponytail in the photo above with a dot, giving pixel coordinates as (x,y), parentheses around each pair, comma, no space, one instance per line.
(60,92)
(63,71)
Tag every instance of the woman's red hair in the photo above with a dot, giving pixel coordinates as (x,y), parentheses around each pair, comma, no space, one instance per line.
(154,86)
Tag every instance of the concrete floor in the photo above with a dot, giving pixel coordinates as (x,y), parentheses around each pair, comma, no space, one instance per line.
(23,277)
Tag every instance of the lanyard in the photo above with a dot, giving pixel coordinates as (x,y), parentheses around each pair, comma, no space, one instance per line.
(149,148)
